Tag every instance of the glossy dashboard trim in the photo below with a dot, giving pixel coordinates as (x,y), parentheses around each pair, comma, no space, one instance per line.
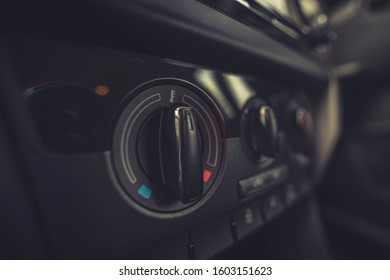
(194,32)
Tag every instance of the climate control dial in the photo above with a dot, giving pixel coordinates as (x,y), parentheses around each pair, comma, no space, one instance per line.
(301,130)
(167,147)
(260,130)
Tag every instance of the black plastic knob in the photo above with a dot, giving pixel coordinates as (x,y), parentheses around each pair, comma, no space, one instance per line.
(167,147)
(181,153)
(262,131)
(301,130)
(170,152)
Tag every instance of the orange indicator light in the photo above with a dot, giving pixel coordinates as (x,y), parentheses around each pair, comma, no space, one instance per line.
(102,90)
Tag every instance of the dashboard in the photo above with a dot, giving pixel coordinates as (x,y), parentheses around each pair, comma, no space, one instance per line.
(185,138)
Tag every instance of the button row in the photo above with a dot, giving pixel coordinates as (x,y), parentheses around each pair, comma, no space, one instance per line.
(214,237)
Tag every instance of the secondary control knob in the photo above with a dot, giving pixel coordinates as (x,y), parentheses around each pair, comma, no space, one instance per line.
(260,129)
(181,153)
(301,130)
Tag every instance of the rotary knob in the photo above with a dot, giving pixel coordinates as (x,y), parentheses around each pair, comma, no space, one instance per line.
(301,130)
(260,130)
(167,147)
(175,134)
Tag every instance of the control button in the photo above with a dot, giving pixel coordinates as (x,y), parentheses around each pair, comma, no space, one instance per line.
(212,238)
(247,220)
(145,192)
(262,181)
(260,129)
(290,194)
(174,249)
(273,206)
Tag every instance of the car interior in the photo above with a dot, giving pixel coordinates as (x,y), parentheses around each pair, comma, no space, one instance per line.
(194,129)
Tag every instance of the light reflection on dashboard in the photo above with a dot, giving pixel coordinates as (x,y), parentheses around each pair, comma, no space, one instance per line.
(279,6)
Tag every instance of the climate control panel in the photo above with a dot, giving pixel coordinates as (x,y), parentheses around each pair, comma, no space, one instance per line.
(167,148)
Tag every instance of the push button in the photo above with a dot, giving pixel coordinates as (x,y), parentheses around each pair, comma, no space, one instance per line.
(273,206)
(290,194)
(247,219)
(262,181)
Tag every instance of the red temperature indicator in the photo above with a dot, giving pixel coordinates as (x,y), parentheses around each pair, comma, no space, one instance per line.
(206,175)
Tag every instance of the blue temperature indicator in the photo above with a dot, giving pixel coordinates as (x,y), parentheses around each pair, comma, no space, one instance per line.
(145,192)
